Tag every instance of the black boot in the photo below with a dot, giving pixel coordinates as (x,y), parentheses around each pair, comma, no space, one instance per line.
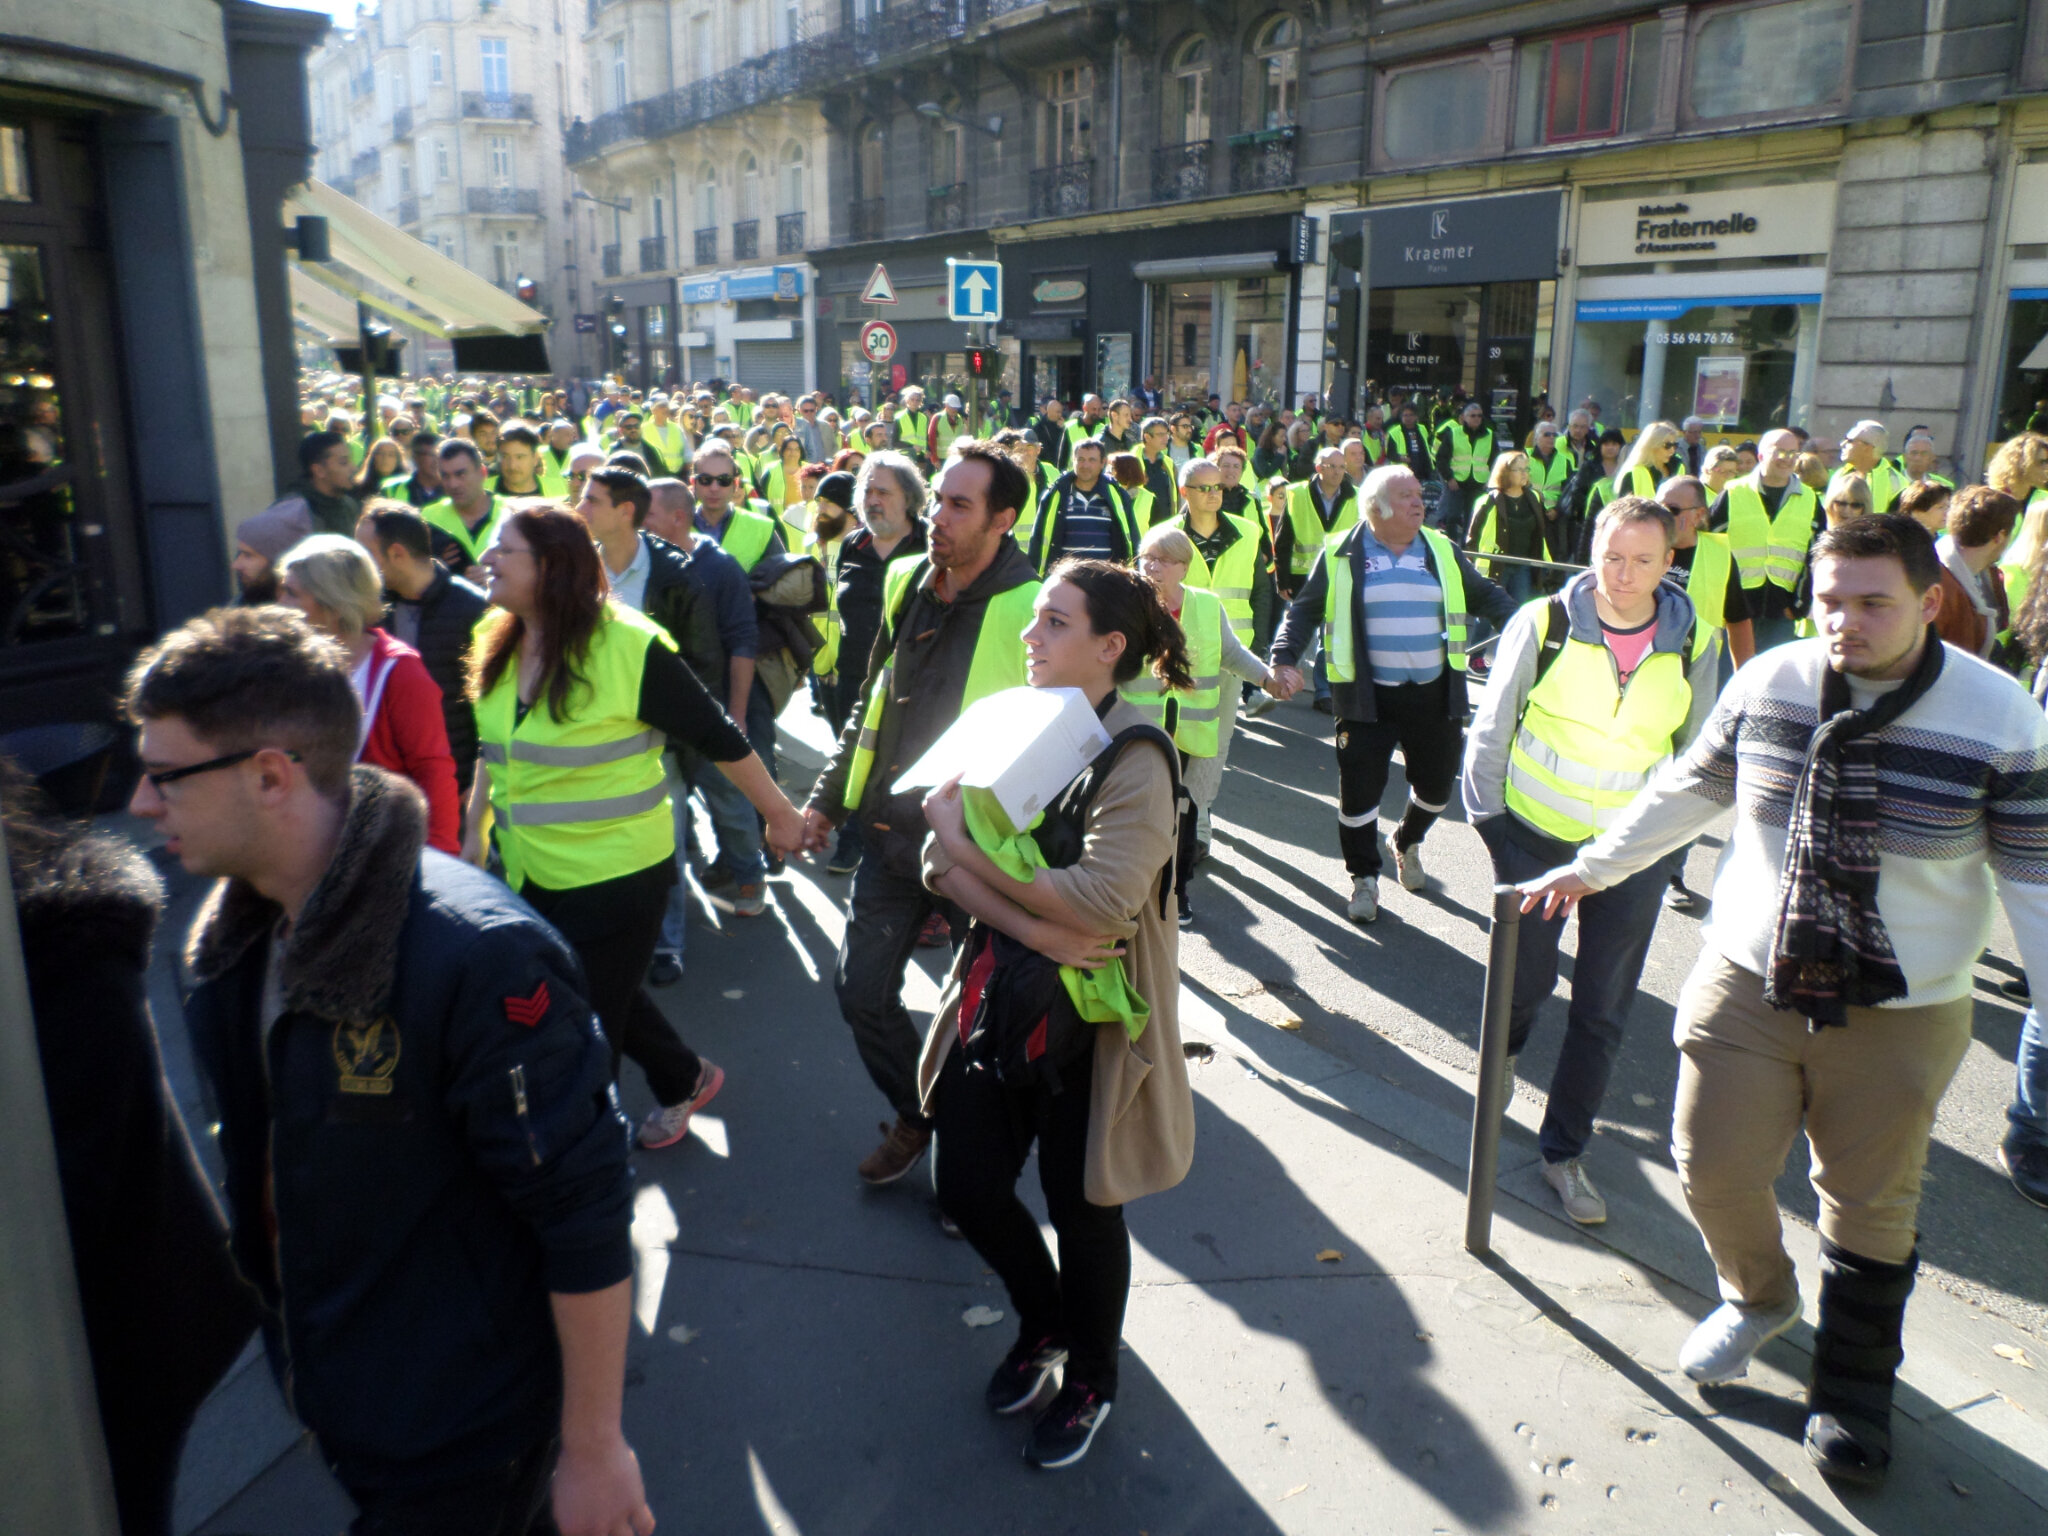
(1856,1355)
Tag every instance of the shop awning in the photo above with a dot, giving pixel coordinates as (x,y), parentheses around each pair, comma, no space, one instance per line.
(378,264)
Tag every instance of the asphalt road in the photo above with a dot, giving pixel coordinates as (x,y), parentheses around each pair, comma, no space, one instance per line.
(1271,920)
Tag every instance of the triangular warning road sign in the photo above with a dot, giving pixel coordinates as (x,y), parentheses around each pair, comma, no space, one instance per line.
(879,289)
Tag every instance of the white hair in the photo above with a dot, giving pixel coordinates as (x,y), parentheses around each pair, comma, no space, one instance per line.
(1377,482)
(1199,461)
(909,479)
(1580,415)
(1871,432)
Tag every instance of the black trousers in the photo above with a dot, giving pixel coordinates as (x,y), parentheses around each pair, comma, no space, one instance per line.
(1411,717)
(883,918)
(984,1133)
(512,1500)
(613,926)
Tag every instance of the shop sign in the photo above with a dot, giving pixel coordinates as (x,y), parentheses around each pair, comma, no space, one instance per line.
(1796,220)
(1059,292)
(1476,240)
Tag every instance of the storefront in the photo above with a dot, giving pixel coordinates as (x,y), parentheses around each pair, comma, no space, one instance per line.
(747,327)
(1702,303)
(1444,299)
(931,350)
(639,331)
(2023,381)
(1202,308)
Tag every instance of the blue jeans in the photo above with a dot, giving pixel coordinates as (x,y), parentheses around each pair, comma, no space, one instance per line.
(1615,929)
(738,828)
(2027,1119)
(760,725)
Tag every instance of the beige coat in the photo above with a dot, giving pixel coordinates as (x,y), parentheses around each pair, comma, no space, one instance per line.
(1141,1120)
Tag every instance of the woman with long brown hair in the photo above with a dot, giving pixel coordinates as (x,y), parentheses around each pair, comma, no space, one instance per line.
(575,696)
(1106,1102)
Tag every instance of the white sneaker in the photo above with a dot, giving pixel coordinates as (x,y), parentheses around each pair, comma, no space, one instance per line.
(1581,1200)
(1364,905)
(1721,1348)
(1408,867)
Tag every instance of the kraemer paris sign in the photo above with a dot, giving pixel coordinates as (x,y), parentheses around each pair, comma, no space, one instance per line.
(1476,240)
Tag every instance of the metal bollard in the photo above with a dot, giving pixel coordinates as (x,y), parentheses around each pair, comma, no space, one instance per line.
(1490,1102)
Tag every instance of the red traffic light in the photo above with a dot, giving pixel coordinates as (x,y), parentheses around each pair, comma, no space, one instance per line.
(978,362)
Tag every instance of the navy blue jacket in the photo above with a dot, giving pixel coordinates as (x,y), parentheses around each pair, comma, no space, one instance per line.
(424,1147)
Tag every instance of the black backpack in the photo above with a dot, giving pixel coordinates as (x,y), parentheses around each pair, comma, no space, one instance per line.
(1025,1028)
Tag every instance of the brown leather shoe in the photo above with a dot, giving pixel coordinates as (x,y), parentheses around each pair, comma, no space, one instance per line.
(902,1147)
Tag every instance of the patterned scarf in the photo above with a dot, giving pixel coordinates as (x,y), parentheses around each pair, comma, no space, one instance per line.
(1830,952)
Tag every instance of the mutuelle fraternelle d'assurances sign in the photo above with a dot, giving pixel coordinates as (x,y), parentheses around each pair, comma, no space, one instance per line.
(1471,240)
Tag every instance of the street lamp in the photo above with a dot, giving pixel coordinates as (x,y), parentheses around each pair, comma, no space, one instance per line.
(992,125)
(582,196)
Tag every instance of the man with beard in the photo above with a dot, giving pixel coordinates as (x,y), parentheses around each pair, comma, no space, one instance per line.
(263,540)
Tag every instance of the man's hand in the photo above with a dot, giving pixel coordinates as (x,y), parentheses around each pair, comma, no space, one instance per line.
(1287,680)
(1559,892)
(789,832)
(817,831)
(598,1491)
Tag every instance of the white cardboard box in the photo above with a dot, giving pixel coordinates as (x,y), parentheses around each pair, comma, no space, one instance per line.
(1023,746)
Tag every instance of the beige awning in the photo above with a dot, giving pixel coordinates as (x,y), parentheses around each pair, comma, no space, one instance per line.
(379,264)
(321,310)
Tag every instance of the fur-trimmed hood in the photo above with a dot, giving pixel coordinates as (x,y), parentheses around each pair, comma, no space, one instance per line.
(97,887)
(341,958)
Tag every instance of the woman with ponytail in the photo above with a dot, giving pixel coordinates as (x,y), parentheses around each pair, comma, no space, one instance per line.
(1106,1102)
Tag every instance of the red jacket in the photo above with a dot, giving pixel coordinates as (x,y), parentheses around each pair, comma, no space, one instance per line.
(406,734)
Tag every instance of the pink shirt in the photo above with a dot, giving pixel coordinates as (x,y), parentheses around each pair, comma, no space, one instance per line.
(1629,646)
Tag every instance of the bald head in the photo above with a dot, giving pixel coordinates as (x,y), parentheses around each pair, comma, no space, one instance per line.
(670,511)
(1775,451)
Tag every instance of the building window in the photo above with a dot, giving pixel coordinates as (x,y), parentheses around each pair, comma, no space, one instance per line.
(1742,365)
(497,67)
(1071,93)
(873,153)
(792,177)
(744,43)
(1771,59)
(1588,86)
(501,162)
(748,189)
(441,172)
(434,76)
(405,176)
(792,22)
(618,72)
(1189,100)
(1436,113)
(1278,50)
(949,161)
(657,208)
(700,45)
(505,257)
(707,197)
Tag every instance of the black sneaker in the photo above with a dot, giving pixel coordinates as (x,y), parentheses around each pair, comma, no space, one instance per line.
(717,876)
(1064,1431)
(666,970)
(2027,1167)
(1022,1375)
(845,860)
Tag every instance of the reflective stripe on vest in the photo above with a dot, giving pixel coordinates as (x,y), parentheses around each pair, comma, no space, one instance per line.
(1769,548)
(913,430)
(1341,644)
(1471,457)
(946,433)
(997,662)
(581,799)
(1487,540)
(1197,709)
(1585,746)
(1119,511)
(1232,576)
(1309,532)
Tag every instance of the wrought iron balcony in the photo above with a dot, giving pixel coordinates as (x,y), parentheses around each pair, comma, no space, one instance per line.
(653,253)
(608,260)
(1180,171)
(746,239)
(1064,189)
(408,210)
(505,108)
(789,234)
(946,207)
(1262,162)
(811,64)
(864,218)
(364,164)
(401,123)
(707,246)
(502,200)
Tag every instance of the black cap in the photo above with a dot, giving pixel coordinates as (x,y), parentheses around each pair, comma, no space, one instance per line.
(837,488)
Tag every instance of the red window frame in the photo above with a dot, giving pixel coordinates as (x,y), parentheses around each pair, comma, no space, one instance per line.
(1585,40)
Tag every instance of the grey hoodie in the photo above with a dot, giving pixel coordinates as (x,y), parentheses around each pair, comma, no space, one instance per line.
(1499,714)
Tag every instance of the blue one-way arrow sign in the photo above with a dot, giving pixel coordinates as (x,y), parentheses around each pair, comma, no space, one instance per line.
(974,290)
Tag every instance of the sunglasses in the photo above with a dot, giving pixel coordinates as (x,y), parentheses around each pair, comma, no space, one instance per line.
(714,479)
(1204,489)
(165,776)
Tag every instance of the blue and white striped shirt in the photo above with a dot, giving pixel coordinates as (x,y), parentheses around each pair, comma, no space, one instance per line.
(1404,612)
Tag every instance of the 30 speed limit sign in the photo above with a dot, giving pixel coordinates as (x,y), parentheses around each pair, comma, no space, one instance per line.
(878,341)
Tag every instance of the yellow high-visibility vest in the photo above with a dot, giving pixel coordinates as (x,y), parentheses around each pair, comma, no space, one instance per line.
(1340,637)
(442,515)
(1769,548)
(1232,576)
(1309,532)
(1196,709)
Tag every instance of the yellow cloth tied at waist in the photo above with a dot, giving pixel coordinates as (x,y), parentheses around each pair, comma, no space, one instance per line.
(1099,996)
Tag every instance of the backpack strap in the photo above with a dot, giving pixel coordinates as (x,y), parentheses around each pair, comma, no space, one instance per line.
(1557,628)
(1098,770)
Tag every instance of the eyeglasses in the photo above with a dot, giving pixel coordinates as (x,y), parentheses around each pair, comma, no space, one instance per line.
(714,479)
(164,777)
(1189,490)
(576,475)
(1853,506)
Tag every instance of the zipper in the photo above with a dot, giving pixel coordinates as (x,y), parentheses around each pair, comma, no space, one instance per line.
(518,1079)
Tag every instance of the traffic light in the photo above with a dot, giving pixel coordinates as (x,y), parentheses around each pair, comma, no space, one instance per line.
(527,290)
(979,363)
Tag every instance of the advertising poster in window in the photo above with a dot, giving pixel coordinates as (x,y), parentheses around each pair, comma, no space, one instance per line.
(1717,390)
